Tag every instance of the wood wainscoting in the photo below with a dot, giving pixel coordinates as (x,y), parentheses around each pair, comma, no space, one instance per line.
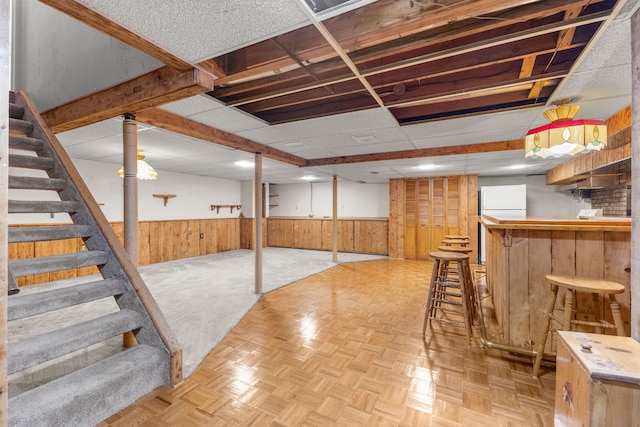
(360,235)
(158,241)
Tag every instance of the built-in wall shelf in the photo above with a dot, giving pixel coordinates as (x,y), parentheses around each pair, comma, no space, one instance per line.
(231,207)
(165,197)
(272,204)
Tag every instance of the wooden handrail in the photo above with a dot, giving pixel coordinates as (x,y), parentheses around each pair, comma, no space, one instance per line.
(157,317)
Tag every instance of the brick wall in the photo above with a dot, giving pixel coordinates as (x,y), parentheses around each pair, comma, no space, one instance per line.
(613,200)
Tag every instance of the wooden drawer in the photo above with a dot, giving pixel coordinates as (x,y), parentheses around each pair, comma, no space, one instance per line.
(597,388)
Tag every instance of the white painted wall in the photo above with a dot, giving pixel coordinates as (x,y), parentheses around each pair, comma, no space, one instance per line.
(59,66)
(543,201)
(316,200)
(194,195)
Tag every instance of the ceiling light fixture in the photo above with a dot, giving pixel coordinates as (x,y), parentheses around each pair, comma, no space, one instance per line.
(426,167)
(565,136)
(244,163)
(144,172)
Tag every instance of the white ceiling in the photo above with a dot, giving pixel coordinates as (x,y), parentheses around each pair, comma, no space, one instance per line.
(601,84)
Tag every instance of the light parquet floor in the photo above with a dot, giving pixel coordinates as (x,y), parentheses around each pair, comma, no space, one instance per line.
(344,348)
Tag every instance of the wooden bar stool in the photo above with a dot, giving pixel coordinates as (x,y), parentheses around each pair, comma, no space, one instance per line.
(596,287)
(457,237)
(450,292)
(459,242)
(458,249)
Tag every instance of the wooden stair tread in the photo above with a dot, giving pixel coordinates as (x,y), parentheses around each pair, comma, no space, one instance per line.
(43,206)
(114,383)
(32,351)
(54,232)
(21,306)
(36,183)
(25,143)
(27,266)
(30,162)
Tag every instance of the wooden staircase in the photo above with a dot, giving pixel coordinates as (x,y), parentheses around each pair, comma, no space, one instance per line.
(93,391)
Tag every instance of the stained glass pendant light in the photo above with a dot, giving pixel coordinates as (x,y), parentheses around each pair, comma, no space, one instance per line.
(565,136)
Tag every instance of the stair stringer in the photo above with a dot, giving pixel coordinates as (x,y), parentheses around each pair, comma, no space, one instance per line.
(155,331)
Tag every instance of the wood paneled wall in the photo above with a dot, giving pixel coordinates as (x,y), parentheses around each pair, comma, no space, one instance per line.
(158,241)
(248,233)
(520,259)
(368,236)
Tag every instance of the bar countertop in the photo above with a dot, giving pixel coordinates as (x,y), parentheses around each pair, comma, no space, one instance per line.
(533,223)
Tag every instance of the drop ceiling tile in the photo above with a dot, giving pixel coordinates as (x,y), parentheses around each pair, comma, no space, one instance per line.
(267,135)
(100,130)
(348,123)
(600,86)
(193,105)
(353,150)
(197,30)
(370,138)
(228,119)
(611,49)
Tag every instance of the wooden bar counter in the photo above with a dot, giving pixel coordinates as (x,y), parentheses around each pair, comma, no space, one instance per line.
(520,252)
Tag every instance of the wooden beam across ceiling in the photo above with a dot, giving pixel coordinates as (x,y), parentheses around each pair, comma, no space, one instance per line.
(110,28)
(182,125)
(515,144)
(149,90)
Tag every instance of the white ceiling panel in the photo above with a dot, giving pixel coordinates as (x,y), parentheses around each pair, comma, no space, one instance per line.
(196,104)
(228,119)
(196,30)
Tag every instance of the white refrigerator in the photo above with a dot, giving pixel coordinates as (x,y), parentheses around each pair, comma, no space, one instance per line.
(502,202)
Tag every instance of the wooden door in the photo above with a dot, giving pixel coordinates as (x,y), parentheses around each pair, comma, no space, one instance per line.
(410,219)
(424,213)
(452,206)
(432,208)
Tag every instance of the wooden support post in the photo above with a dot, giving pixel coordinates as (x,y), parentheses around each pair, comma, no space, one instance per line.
(335,219)
(130,191)
(258,222)
(635,165)
(5,84)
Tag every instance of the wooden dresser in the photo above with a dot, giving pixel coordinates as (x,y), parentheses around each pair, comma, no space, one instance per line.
(597,380)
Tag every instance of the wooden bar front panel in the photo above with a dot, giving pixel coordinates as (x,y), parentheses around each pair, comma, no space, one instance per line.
(519,259)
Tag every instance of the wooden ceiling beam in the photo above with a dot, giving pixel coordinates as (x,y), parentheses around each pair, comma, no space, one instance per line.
(178,124)
(149,90)
(110,28)
(516,144)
